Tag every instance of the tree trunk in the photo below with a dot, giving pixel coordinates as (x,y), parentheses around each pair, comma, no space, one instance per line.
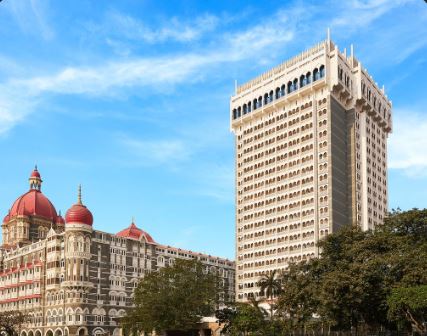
(417,325)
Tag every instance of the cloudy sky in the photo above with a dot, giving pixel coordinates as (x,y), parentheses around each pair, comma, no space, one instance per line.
(130,99)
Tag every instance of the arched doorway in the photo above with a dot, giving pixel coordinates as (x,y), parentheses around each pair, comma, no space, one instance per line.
(98,332)
(82,332)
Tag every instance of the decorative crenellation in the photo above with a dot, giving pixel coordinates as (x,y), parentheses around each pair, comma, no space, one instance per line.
(281,68)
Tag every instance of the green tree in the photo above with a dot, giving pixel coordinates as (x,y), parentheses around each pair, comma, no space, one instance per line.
(297,301)
(243,318)
(257,304)
(173,299)
(270,286)
(409,304)
(11,321)
(349,286)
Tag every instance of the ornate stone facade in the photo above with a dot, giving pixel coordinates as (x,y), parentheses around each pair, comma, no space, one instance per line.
(72,279)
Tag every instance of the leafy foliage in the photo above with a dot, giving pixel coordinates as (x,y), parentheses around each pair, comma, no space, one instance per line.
(364,281)
(409,303)
(174,298)
(361,279)
(243,318)
(11,321)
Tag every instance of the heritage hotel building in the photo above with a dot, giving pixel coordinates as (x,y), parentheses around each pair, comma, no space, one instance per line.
(311,156)
(72,279)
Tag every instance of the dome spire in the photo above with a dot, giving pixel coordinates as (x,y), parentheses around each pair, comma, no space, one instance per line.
(78,213)
(35,180)
(79,195)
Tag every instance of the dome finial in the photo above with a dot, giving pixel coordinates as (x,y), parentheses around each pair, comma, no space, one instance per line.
(79,195)
(35,179)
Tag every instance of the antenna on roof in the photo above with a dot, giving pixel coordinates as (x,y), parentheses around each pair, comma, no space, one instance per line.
(235,86)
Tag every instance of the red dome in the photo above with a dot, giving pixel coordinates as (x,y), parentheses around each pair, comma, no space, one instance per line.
(134,232)
(60,220)
(33,203)
(78,213)
(35,173)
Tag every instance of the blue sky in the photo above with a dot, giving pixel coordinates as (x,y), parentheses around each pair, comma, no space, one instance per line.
(130,99)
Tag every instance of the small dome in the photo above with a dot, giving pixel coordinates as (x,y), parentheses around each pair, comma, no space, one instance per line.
(35,173)
(134,232)
(6,218)
(60,220)
(78,213)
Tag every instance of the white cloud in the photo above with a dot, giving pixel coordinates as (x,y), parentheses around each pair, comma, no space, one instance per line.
(255,44)
(355,14)
(174,29)
(14,107)
(109,78)
(408,143)
(155,152)
(31,17)
(100,80)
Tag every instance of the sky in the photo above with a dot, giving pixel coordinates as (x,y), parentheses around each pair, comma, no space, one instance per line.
(131,100)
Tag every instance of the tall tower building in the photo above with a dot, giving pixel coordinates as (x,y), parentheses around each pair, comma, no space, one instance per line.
(311,156)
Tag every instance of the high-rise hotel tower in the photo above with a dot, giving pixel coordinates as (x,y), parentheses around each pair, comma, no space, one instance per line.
(311,156)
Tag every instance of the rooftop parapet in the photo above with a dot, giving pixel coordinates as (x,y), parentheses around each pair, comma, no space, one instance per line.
(283,66)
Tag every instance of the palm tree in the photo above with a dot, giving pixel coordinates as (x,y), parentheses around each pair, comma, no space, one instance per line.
(270,286)
(256,303)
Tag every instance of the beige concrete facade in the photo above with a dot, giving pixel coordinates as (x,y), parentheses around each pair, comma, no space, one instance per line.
(311,156)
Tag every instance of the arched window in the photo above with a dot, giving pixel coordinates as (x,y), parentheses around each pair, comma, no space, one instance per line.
(278,93)
(259,101)
(315,75)
(302,81)
(283,90)
(245,109)
(322,71)
(270,96)
(308,77)
(290,87)
(234,113)
(266,100)
(249,107)
(295,84)
(239,111)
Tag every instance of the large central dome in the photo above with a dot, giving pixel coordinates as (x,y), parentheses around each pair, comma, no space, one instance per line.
(33,202)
